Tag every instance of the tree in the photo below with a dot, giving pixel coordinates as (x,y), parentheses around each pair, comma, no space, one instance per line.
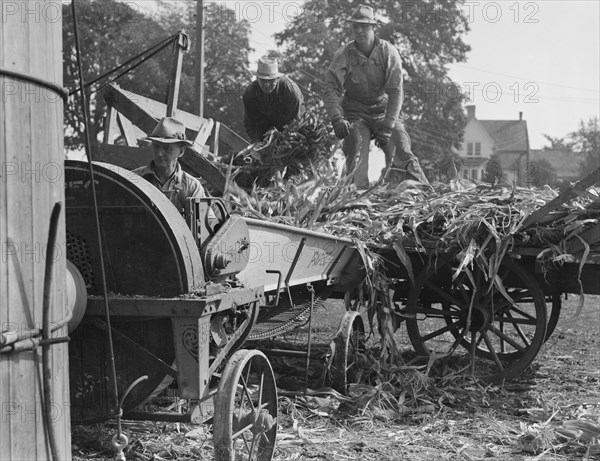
(557,143)
(109,32)
(226,60)
(587,139)
(112,32)
(428,36)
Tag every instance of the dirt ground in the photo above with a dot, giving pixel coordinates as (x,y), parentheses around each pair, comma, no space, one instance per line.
(540,416)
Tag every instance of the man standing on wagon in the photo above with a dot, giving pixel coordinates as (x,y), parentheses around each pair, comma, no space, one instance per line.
(363,98)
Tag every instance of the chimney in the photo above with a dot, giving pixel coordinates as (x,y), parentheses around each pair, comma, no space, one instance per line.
(470,112)
(520,116)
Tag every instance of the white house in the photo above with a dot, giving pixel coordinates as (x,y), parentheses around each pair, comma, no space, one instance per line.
(506,140)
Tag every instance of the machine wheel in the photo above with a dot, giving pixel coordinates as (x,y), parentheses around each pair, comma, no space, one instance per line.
(245,421)
(148,250)
(502,338)
(348,358)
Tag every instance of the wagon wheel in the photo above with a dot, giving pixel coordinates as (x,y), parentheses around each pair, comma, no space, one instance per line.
(503,337)
(348,357)
(245,420)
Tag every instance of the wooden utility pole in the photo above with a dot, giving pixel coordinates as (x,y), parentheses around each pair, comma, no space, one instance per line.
(200,56)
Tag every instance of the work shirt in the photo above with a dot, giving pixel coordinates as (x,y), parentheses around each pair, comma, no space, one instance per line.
(264,111)
(369,85)
(178,188)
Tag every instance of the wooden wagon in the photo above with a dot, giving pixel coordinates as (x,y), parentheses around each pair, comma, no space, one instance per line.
(492,322)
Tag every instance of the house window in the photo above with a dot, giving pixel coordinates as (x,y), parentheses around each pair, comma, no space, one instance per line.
(465,173)
(474,174)
(474,148)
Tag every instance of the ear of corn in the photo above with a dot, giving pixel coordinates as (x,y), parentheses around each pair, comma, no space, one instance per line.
(303,148)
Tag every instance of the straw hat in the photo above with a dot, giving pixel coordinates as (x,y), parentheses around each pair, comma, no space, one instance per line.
(169,130)
(363,14)
(268,69)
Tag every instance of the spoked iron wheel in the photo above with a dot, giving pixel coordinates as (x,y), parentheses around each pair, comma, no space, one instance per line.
(348,358)
(245,420)
(501,336)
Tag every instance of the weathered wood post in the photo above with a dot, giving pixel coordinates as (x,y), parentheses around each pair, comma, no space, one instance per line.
(31,183)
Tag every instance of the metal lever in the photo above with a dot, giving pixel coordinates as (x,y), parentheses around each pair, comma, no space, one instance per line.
(279,276)
(312,304)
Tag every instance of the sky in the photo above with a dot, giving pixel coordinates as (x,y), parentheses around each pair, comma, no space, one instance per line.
(541,58)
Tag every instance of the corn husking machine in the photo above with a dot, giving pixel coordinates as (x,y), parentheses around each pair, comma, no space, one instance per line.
(184,292)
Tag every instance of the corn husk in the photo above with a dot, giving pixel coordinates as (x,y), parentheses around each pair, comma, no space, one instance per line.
(295,151)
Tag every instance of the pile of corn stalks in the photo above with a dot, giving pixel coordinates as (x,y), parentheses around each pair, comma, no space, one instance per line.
(475,221)
(302,145)
(464,218)
(454,217)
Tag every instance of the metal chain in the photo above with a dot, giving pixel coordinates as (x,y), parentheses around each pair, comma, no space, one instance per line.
(288,325)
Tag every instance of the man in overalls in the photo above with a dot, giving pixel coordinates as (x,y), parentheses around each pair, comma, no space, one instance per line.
(363,97)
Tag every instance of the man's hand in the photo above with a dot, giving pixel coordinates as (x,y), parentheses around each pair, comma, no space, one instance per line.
(382,137)
(341,128)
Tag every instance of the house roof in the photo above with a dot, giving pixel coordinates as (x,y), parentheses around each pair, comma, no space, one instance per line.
(566,164)
(508,135)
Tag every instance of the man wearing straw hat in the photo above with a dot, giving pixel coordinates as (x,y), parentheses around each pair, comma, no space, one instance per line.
(363,98)
(164,171)
(272,101)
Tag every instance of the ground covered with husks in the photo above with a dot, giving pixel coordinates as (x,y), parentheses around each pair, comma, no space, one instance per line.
(552,412)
